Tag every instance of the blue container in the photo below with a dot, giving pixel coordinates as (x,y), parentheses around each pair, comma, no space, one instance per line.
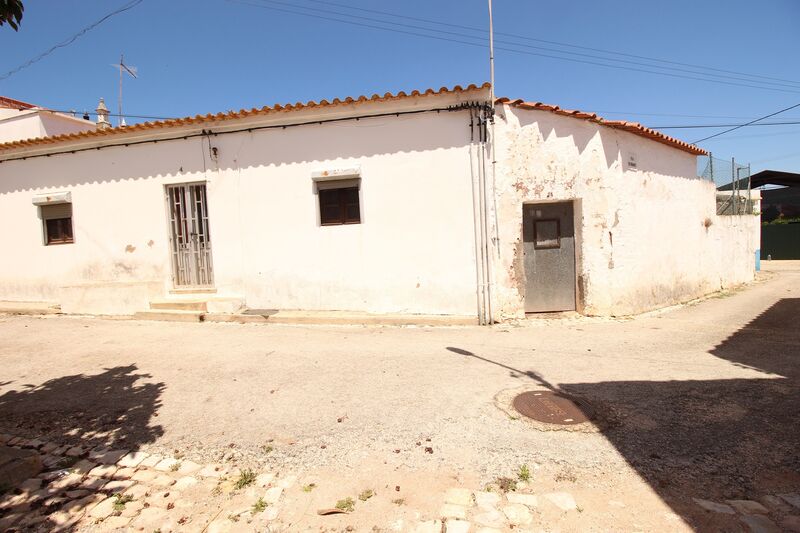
(758,260)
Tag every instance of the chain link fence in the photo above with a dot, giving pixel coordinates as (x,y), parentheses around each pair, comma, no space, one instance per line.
(732,181)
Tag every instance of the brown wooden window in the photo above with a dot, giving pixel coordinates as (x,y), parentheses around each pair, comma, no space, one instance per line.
(57,220)
(339,205)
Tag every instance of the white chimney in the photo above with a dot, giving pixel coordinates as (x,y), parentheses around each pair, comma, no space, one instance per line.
(102,116)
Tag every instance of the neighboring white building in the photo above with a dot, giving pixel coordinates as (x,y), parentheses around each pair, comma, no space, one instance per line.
(388,204)
(21,120)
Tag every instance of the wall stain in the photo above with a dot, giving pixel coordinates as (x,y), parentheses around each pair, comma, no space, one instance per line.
(517,271)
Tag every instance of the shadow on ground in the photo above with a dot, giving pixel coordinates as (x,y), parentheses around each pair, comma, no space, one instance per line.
(713,439)
(114,408)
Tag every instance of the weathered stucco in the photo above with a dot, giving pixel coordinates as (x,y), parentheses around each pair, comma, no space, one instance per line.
(412,253)
(646,237)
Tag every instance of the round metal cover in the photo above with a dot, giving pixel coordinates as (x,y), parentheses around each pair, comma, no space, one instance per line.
(552,408)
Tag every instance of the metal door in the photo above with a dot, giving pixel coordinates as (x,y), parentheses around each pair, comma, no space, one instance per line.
(190,240)
(548,236)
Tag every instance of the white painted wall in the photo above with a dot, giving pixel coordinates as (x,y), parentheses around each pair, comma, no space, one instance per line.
(413,252)
(32,123)
(646,238)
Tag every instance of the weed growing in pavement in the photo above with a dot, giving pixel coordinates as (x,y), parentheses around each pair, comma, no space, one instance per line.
(309,487)
(366,495)
(267,448)
(347,505)
(524,473)
(175,466)
(259,506)
(506,484)
(120,501)
(246,477)
(566,475)
(399,501)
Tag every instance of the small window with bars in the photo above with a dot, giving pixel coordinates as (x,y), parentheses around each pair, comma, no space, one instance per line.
(339,202)
(57,220)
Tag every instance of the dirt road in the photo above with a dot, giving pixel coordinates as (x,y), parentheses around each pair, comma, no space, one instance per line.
(695,402)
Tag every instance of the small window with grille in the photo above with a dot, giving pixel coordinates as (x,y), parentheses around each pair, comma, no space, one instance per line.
(57,220)
(339,202)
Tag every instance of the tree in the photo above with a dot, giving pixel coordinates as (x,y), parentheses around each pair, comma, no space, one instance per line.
(11,13)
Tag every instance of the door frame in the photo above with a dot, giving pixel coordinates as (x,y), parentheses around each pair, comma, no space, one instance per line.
(170,236)
(577,231)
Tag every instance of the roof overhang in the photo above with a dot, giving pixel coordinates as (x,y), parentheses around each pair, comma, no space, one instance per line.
(265,117)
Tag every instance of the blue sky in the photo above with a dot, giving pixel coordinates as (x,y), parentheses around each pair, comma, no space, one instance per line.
(204,56)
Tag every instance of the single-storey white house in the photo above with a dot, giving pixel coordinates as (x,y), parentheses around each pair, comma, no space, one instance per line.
(435,202)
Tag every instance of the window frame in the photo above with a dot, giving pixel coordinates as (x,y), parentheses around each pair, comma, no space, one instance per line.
(347,191)
(57,230)
(536,244)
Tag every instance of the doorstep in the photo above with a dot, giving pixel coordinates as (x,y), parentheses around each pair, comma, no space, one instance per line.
(29,308)
(289,316)
(344,318)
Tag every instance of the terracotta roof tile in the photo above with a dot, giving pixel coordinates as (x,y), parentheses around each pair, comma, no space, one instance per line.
(201,119)
(631,127)
(14,104)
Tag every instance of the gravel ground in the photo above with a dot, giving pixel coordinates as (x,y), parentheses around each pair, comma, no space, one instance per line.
(695,401)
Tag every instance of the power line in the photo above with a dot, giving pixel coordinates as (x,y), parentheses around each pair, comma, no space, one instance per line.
(674,127)
(74,112)
(636,113)
(67,42)
(794,85)
(513,50)
(747,124)
(557,43)
(738,136)
(695,126)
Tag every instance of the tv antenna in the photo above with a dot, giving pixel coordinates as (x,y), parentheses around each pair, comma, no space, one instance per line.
(123,68)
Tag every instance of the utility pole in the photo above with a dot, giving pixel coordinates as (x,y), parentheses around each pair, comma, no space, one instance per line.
(491,53)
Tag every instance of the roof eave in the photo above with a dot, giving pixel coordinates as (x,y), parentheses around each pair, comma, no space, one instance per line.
(278,114)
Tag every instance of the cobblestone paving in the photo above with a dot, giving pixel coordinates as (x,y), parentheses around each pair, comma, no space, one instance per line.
(119,490)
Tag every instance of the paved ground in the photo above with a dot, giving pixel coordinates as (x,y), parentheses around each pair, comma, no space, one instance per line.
(695,403)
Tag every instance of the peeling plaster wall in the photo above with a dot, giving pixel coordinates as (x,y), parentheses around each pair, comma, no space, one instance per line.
(645,238)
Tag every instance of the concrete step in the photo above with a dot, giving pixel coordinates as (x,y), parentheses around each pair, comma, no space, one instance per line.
(179,305)
(169,315)
(29,308)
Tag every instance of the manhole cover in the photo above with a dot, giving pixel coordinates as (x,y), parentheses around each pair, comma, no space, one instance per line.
(552,408)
